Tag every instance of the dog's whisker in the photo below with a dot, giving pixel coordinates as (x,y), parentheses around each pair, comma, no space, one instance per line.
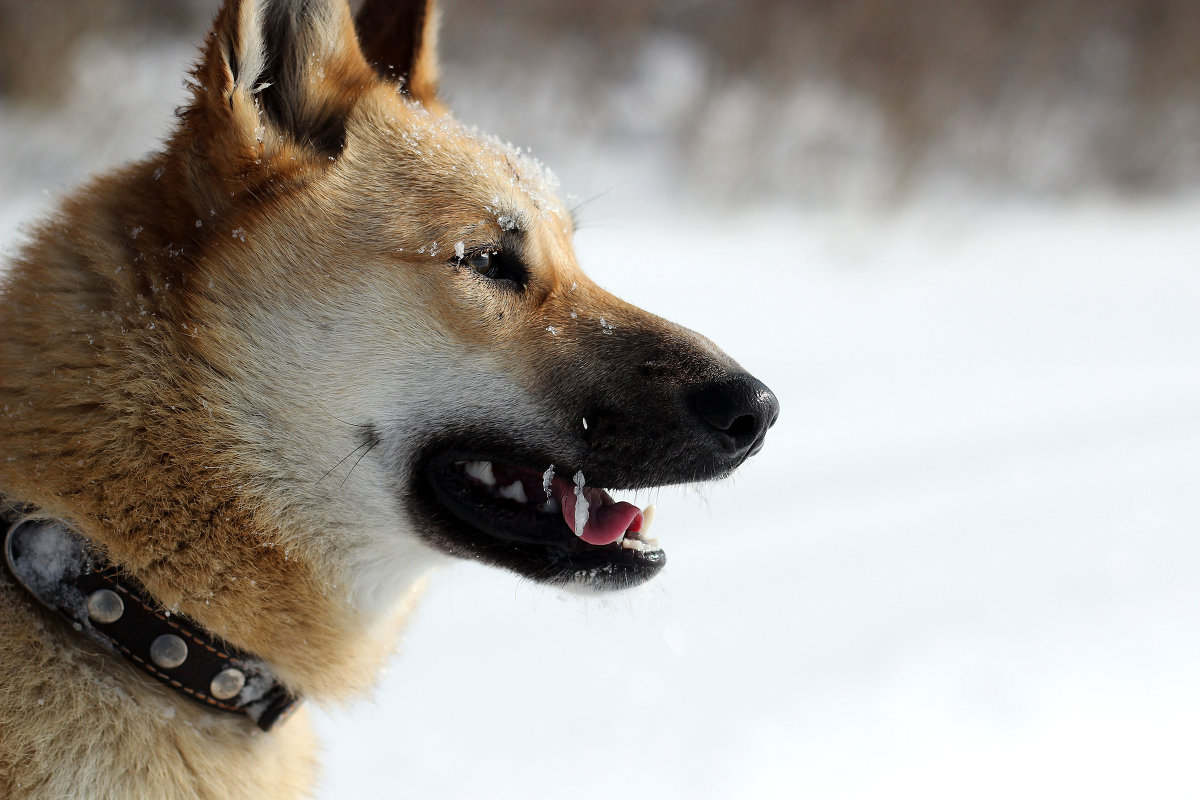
(577,207)
(334,417)
(345,458)
(370,447)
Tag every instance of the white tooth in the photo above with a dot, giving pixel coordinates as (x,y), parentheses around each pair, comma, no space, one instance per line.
(514,491)
(651,544)
(482,472)
(582,511)
(647,519)
(633,544)
(547,482)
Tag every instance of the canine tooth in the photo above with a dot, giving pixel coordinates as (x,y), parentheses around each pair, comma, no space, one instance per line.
(582,510)
(481,471)
(514,491)
(647,518)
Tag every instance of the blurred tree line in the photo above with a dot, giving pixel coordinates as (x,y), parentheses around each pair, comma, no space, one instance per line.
(808,98)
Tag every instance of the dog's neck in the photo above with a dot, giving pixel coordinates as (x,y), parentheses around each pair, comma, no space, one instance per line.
(106,431)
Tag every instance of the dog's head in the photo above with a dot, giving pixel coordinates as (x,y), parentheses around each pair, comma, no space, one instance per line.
(392,320)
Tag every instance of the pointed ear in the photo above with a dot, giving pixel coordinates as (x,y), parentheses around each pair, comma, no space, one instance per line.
(399,39)
(279,74)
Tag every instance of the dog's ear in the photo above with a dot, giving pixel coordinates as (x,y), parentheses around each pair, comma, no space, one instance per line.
(399,39)
(277,75)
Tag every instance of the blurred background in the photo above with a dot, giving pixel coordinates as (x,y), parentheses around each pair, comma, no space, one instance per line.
(959,239)
(809,101)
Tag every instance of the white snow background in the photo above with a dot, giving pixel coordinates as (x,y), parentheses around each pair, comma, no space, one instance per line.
(965,564)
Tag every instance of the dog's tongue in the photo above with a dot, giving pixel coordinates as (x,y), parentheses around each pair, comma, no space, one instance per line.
(604,521)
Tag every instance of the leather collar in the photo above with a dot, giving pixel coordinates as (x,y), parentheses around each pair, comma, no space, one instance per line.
(66,574)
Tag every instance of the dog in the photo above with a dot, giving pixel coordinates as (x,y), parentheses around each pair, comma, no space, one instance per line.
(257,385)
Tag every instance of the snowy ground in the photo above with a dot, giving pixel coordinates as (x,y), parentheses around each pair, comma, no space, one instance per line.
(965,565)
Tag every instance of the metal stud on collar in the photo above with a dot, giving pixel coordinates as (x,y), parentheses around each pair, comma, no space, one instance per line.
(168,651)
(227,684)
(105,606)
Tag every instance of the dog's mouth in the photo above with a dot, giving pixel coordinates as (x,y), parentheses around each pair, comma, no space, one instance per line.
(544,525)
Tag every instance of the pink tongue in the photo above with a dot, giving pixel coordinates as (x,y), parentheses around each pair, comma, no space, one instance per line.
(607,521)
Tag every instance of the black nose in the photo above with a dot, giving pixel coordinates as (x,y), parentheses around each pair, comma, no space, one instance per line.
(737,410)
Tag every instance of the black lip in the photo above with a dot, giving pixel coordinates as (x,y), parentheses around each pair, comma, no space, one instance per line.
(460,521)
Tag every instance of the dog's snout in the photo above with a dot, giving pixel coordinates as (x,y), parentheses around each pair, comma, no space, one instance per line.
(737,411)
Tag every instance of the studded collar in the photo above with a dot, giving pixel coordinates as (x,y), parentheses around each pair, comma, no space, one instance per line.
(64,573)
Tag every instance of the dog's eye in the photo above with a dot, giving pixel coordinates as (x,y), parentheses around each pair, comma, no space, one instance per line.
(483,262)
(496,265)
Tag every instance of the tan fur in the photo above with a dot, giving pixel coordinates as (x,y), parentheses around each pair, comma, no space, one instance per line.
(176,376)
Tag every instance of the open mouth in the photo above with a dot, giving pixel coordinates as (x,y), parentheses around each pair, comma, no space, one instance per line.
(547,526)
